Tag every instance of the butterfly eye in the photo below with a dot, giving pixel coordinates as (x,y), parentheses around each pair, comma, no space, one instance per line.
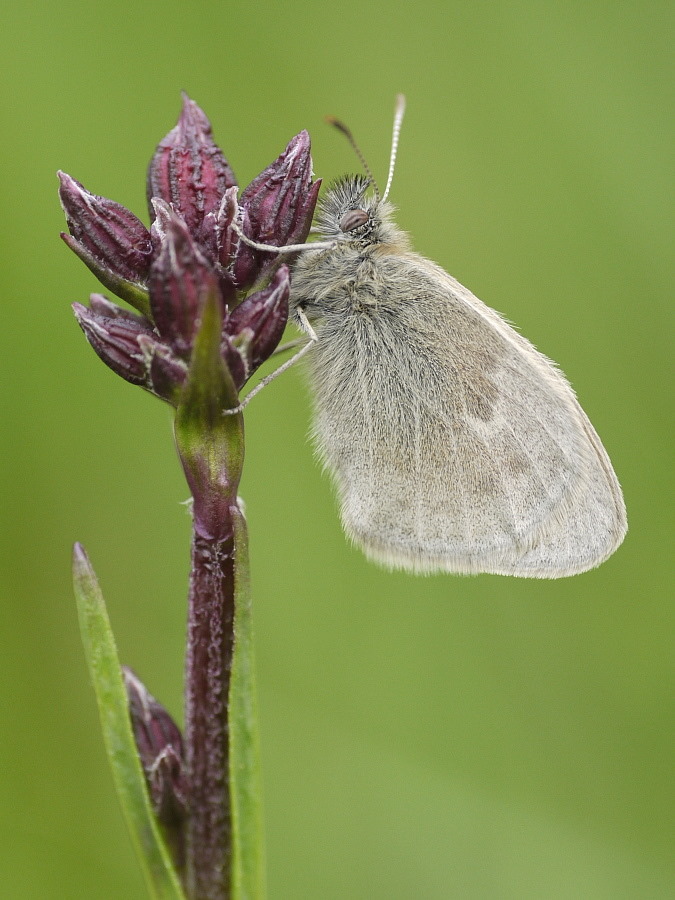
(353,219)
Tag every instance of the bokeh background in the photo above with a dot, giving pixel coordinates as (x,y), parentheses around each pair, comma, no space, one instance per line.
(431,737)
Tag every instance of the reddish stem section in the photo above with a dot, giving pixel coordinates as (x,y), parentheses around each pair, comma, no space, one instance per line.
(209,661)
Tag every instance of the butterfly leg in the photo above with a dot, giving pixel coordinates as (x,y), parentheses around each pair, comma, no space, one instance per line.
(289,345)
(312,339)
(288,248)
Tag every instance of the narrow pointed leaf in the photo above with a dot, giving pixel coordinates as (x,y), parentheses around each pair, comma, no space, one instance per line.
(111,695)
(248,847)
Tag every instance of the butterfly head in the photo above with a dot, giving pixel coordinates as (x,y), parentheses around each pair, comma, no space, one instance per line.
(352,213)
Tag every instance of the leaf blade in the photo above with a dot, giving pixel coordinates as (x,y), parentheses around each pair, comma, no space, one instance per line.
(105,672)
(248,850)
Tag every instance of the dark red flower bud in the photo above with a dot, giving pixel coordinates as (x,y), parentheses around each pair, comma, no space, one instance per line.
(129,345)
(280,201)
(166,372)
(180,278)
(255,327)
(220,243)
(248,263)
(160,748)
(115,340)
(109,239)
(99,304)
(215,234)
(188,169)
(236,356)
(162,214)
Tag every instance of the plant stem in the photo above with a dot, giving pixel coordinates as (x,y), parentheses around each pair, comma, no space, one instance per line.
(208,667)
(211,449)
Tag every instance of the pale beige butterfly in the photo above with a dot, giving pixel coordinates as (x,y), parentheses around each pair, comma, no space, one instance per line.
(454,444)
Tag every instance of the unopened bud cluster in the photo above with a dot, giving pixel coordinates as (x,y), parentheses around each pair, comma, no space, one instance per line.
(191,253)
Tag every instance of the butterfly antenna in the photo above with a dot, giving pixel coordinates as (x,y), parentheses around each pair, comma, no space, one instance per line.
(336,123)
(398,118)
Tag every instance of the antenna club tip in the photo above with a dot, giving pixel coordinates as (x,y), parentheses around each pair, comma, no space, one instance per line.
(336,123)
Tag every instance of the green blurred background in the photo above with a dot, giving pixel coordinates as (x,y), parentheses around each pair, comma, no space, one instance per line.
(431,737)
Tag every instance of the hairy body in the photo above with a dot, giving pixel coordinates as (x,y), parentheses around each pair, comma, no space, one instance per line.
(453,443)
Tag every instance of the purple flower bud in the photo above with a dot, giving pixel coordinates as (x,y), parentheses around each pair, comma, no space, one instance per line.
(188,169)
(115,340)
(280,201)
(160,748)
(128,344)
(220,243)
(215,235)
(100,304)
(163,213)
(180,278)
(166,372)
(108,238)
(247,262)
(236,355)
(255,327)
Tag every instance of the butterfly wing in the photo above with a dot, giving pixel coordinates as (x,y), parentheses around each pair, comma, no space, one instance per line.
(454,444)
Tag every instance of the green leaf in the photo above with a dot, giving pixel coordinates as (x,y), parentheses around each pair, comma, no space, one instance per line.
(248,849)
(106,675)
